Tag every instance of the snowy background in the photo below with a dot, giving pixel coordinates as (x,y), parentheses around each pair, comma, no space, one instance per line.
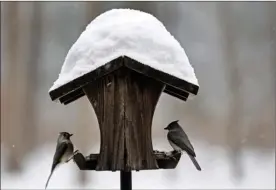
(231,122)
(215,173)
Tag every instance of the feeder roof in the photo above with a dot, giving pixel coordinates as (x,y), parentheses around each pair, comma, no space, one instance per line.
(131,33)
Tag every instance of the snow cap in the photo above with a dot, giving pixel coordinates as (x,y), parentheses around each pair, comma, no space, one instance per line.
(125,32)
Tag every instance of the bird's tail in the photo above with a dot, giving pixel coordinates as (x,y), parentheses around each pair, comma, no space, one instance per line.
(48,179)
(195,162)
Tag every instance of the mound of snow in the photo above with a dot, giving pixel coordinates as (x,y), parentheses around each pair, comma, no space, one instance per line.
(132,33)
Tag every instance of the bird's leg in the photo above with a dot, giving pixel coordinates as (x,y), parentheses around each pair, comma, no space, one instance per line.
(76,151)
(72,156)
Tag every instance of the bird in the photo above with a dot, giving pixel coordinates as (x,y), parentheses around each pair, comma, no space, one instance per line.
(179,141)
(64,152)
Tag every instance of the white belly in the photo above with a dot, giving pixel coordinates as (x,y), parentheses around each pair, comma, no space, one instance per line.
(65,157)
(175,147)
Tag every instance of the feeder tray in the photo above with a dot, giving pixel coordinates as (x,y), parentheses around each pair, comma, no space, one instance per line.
(165,160)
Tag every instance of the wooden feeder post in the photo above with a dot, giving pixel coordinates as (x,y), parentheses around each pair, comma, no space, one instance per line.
(124,94)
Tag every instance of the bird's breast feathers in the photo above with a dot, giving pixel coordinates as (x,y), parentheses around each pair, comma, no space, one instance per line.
(68,152)
(66,156)
(175,147)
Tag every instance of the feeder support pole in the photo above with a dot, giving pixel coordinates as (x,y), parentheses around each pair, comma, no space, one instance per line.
(126,180)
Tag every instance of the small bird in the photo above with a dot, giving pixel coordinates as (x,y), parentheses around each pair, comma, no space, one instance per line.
(64,152)
(180,141)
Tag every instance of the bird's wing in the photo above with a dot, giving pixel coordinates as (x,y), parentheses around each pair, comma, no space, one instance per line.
(180,139)
(60,150)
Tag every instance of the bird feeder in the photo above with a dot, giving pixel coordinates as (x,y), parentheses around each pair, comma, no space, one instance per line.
(123,82)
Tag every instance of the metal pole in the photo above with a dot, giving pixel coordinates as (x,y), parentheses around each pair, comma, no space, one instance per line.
(126,181)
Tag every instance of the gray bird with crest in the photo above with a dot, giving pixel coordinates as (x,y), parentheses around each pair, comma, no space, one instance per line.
(64,152)
(179,140)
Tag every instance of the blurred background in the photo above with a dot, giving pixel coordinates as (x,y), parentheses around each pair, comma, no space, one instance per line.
(231,122)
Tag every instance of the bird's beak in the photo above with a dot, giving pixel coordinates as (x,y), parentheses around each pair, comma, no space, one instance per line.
(71,135)
(166,128)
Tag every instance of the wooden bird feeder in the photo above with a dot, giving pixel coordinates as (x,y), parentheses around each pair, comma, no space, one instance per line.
(124,94)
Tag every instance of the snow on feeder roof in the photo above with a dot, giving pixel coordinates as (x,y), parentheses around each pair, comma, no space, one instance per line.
(126,33)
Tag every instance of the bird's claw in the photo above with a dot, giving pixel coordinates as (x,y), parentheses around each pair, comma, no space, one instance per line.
(77,151)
